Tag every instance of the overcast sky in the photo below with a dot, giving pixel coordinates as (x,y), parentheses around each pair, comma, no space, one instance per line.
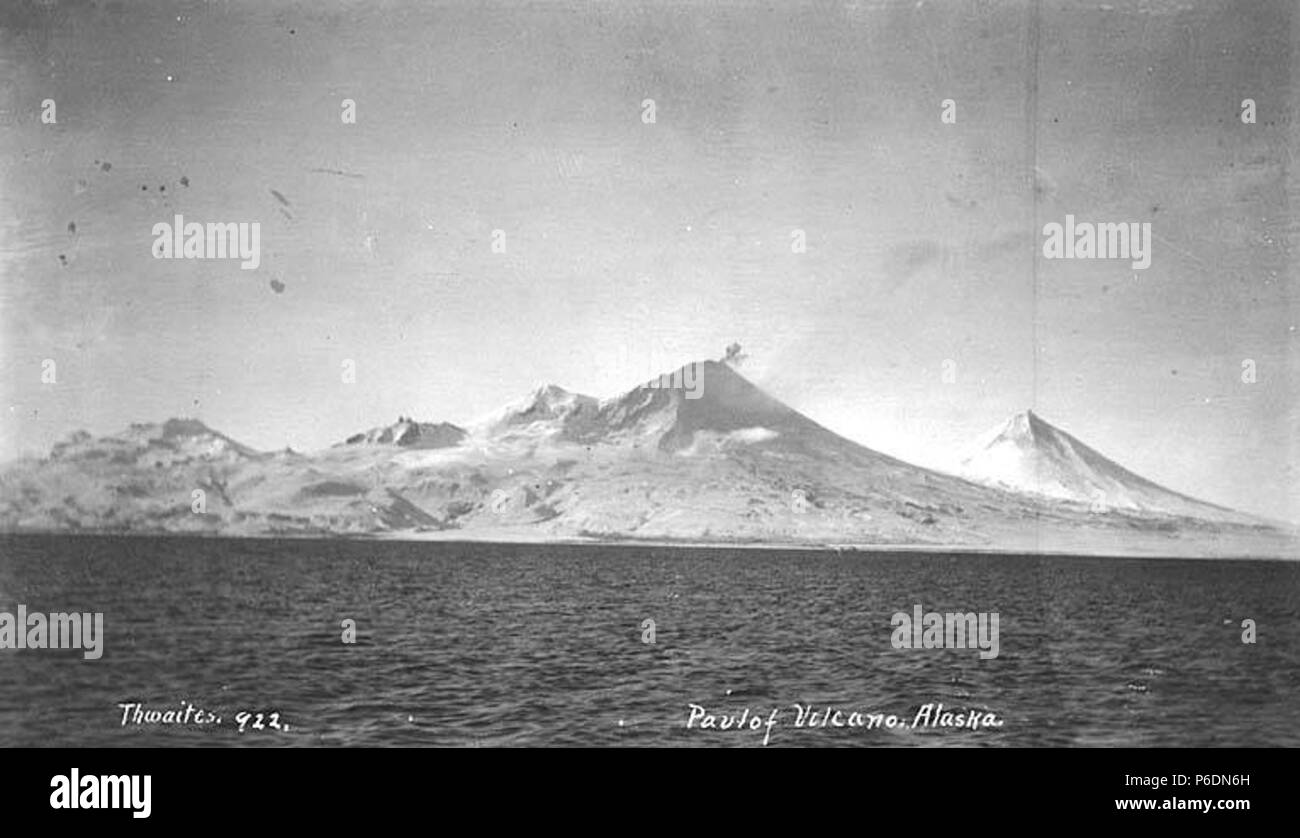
(634,246)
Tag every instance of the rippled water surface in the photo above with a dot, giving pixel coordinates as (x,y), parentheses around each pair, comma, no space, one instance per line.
(477,644)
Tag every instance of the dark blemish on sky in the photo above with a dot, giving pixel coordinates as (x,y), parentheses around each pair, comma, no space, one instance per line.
(185,181)
(72,227)
(162,188)
(280,198)
(144,188)
(338,172)
(277,286)
(63,260)
(105,166)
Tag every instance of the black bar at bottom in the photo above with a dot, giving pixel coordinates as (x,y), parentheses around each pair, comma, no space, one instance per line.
(337,789)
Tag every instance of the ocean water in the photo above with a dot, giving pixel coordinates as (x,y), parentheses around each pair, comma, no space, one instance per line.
(512,645)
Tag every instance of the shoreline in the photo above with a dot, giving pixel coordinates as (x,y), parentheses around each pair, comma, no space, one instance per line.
(1147,551)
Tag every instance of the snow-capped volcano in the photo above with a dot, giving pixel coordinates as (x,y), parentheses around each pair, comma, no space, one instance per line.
(706,398)
(1029,454)
(703,397)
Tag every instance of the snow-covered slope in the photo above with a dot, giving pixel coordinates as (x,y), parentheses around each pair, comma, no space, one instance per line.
(549,411)
(156,445)
(144,478)
(1029,454)
(409,433)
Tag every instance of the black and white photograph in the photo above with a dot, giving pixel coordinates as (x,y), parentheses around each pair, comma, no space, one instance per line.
(649,373)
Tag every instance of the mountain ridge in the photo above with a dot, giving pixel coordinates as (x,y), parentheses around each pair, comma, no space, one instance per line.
(701,455)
